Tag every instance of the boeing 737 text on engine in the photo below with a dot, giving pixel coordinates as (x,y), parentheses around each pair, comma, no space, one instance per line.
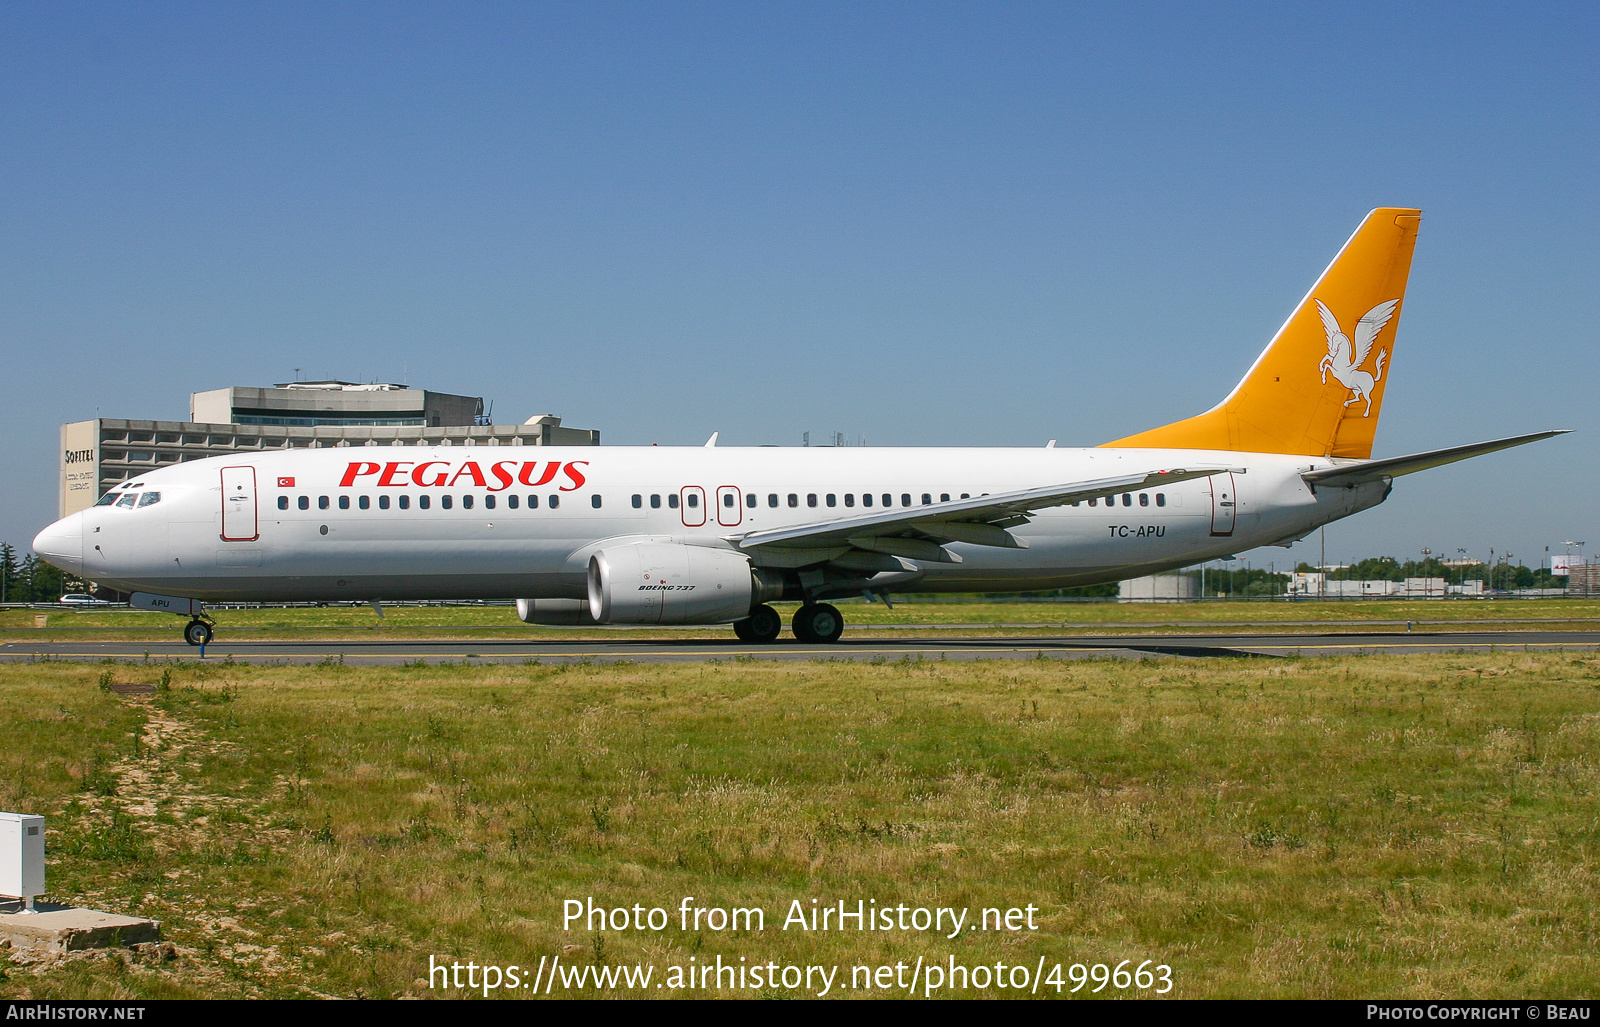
(713,535)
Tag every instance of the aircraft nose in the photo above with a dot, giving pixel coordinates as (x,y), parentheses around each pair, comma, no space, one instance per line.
(62,543)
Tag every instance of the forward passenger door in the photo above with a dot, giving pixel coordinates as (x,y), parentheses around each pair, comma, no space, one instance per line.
(239,504)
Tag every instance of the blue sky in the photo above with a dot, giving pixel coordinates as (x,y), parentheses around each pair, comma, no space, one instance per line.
(928,224)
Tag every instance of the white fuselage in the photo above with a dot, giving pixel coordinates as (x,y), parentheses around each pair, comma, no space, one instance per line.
(398,523)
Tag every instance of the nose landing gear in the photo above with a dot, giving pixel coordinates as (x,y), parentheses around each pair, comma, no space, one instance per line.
(198,631)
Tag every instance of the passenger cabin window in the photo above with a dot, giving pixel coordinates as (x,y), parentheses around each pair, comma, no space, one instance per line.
(888,500)
(365,502)
(1127,499)
(1144,499)
(927,500)
(772,499)
(283,502)
(424,501)
(832,499)
(794,499)
(405,502)
(466,501)
(444,502)
(672,501)
(750,501)
(1161,499)
(488,502)
(344,502)
(322,502)
(1094,502)
(944,497)
(533,502)
(638,501)
(694,500)
(383,502)
(594,500)
(512,502)
(905,499)
(811,499)
(849,499)
(866,499)
(727,499)
(555,501)
(655,502)
(965,496)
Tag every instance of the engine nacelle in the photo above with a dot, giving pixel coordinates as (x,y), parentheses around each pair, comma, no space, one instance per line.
(564,612)
(669,583)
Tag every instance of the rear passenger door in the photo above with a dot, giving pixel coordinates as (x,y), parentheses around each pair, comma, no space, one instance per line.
(1224,503)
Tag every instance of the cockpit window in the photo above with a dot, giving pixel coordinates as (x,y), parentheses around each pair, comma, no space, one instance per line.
(107,499)
(149,499)
(126,502)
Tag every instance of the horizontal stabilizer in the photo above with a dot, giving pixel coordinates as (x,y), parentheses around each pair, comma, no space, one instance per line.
(1373,470)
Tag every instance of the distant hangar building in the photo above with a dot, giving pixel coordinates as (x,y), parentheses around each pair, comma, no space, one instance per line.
(99,454)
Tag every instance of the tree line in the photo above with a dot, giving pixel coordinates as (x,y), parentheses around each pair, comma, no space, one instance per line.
(29,580)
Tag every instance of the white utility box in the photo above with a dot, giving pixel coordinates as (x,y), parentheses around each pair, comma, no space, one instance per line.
(21,856)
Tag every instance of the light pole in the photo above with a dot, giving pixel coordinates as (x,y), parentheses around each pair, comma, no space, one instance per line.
(1427,590)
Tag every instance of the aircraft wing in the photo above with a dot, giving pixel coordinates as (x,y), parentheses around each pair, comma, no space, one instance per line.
(1393,467)
(920,532)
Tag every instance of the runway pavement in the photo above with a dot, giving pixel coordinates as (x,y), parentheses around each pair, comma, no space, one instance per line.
(614,650)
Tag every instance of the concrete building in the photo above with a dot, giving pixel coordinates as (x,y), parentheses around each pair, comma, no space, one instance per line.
(1160,588)
(1583,579)
(1311,584)
(98,454)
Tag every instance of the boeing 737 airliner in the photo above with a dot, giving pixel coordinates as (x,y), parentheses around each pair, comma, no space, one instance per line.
(713,535)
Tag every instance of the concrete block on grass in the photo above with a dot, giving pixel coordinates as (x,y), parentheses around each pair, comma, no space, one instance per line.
(58,929)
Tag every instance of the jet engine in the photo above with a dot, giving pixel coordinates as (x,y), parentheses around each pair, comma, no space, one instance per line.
(565,612)
(654,583)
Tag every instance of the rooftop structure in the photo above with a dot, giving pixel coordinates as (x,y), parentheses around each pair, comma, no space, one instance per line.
(311,404)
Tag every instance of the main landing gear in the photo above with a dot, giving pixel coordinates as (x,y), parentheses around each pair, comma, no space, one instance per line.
(813,622)
(197,631)
(818,622)
(762,625)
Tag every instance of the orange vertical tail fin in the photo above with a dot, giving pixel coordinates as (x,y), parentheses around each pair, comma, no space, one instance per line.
(1318,387)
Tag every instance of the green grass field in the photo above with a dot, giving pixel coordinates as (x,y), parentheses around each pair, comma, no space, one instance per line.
(1363,826)
(436,622)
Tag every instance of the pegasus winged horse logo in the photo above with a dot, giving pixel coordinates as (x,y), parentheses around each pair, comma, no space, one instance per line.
(1345,360)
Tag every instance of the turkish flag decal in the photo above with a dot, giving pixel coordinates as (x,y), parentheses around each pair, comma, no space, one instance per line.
(286,483)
